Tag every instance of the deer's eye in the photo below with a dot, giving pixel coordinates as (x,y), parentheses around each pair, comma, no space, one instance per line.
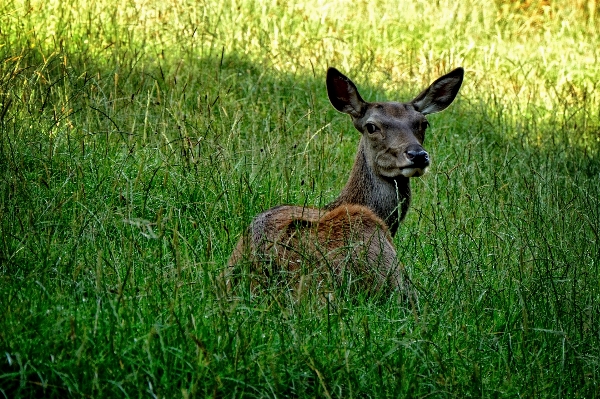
(371,128)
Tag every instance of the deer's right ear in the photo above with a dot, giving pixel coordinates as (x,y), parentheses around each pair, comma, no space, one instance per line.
(343,94)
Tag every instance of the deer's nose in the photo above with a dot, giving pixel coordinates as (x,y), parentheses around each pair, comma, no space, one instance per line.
(419,157)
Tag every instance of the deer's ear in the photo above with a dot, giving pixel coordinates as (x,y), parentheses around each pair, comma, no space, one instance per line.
(343,94)
(440,94)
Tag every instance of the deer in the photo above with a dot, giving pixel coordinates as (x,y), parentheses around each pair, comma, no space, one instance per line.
(350,239)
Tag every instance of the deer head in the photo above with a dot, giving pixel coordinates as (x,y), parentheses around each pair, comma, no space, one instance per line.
(393,133)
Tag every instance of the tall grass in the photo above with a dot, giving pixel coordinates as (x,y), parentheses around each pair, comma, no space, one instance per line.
(138,141)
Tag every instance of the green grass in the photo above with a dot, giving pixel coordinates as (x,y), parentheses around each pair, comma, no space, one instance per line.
(138,140)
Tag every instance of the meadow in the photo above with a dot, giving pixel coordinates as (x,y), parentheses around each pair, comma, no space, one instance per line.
(138,139)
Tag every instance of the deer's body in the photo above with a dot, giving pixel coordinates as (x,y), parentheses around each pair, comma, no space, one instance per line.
(304,241)
(351,237)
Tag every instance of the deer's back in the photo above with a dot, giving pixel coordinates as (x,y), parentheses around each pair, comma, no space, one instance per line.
(348,240)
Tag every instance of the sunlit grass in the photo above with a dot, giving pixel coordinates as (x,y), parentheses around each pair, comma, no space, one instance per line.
(138,140)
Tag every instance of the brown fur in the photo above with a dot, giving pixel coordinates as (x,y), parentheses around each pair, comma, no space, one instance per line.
(349,242)
(341,243)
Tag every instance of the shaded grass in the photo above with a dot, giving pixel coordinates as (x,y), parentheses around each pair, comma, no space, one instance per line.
(132,162)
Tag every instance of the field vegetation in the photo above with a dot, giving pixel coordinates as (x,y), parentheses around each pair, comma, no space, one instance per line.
(139,138)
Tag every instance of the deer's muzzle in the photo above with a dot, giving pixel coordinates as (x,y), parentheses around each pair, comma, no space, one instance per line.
(419,158)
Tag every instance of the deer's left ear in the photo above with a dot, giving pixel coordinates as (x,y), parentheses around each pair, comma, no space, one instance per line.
(440,94)
(343,94)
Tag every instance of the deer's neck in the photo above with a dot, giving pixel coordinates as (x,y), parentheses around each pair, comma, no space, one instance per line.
(389,198)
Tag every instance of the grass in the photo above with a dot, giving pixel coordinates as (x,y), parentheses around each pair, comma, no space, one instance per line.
(137,142)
